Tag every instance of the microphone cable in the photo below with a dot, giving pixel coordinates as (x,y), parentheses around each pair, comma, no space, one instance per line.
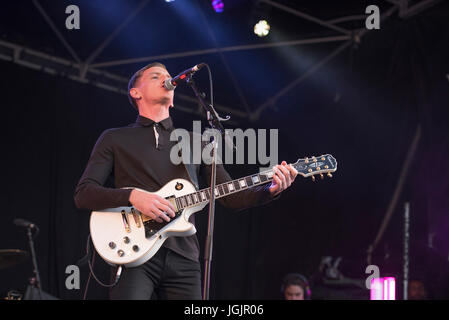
(210,85)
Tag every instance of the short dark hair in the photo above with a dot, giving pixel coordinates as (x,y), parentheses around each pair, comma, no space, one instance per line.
(296,279)
(135,78)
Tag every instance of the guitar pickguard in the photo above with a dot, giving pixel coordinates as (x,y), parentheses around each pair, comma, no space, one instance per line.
(152,226)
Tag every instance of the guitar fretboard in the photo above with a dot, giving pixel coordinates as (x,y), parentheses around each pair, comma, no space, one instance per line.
(306,167)
(224,189)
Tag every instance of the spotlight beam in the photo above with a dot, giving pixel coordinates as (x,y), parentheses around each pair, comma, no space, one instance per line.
(224,60)
(224,49)
(57,66)
(310,71)
(358,35)
(106,42)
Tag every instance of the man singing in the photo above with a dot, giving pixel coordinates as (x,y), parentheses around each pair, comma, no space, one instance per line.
(138,156)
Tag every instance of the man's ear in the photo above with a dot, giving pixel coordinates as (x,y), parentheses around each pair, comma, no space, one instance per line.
(135,93)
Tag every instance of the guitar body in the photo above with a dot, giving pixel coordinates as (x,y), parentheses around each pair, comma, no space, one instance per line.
(123,236)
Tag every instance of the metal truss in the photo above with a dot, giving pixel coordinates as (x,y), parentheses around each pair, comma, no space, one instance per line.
(223,49)
(57,66)
(87,71)
(401,5)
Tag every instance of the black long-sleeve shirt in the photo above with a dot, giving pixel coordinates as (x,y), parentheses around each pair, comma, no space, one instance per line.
(131,156)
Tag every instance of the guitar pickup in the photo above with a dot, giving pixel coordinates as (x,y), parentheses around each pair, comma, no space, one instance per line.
(136,217)
(125,221)
(172,200)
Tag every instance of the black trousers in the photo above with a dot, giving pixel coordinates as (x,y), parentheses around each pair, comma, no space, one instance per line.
(166,276)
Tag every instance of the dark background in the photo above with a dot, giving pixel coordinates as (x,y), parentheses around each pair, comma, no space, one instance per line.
(363,107)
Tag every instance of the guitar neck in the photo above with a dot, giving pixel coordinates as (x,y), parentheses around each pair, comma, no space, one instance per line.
(224,189)
(307,167)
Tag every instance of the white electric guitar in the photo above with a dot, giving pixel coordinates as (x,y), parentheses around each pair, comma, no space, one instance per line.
(124,236)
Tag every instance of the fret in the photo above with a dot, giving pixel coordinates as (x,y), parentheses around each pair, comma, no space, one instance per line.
(231,187)
(225,188)
(242,183)
(178,203)
(220,190)
(216,192)
(249,181)
(195,198)
(203,196)
(208,194)
(256,179)
(183,202)
(263,177)
(236,185)
(189,200)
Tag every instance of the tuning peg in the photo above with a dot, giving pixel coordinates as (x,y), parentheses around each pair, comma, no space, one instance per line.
(313,178)
(321,175)
(329,175)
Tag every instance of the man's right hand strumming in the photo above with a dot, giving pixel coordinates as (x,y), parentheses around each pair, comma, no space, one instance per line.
(152,205)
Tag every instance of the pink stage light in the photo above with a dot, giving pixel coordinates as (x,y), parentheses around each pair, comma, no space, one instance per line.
(383,289)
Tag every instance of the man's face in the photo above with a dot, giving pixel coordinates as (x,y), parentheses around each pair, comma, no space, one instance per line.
(294,292)
(150,87)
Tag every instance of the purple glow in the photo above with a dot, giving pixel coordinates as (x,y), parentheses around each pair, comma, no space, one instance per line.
(376,289)
(391,282)
(383,289)
(218,5)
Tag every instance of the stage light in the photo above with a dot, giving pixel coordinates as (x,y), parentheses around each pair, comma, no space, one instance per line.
(218,5)
(169,0)
(262,28)
(383,288)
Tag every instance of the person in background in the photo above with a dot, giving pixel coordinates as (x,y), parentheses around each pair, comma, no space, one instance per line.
(295,287)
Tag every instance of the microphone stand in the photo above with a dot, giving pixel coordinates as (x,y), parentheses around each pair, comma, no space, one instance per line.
(36,282)
(215,123)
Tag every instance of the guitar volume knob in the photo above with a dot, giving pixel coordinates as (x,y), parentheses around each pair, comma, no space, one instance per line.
(112,245)
(121,253)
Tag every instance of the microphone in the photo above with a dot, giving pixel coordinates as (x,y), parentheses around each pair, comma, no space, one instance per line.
(24,223)
(170,84)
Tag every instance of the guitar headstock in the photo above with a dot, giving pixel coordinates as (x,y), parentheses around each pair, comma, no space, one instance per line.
(309,167)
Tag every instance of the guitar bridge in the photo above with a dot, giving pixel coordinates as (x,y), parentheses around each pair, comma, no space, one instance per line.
(136,217)
(125,221)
